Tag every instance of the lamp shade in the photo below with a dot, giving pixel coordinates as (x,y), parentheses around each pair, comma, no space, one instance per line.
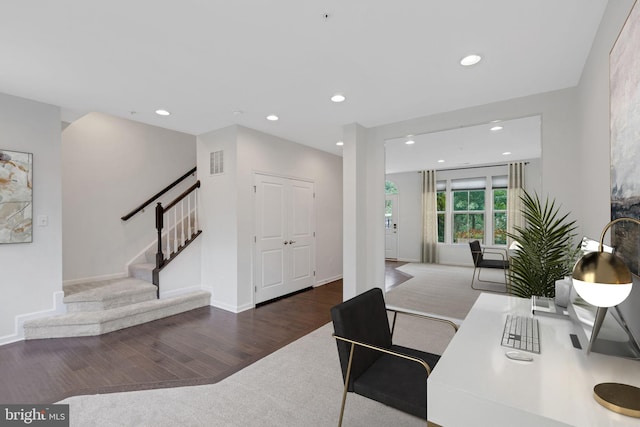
(602,279)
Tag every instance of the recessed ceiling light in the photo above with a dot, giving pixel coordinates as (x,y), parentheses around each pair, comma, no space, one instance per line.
(506,153)
(470,60)
(340,143)
(410,140)
(338,97)
(441,161)
(496,128)
(272,117)
(163,113)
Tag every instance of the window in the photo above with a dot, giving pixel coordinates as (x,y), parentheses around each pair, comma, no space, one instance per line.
(468,209)
(500,216)
(468,216)
(441,208)
(499,193)
(390,187)
(388,214)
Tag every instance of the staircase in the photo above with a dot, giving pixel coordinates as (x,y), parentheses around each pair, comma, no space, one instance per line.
(143,268)
(99,307)
(96,308)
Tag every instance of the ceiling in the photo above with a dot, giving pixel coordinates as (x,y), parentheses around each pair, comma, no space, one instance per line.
(215,63)
(510,140)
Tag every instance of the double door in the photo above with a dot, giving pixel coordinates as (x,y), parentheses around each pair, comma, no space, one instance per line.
(284,255)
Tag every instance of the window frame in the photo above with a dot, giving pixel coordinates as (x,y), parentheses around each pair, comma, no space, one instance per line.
(495,211)
(468,212)
(492,180)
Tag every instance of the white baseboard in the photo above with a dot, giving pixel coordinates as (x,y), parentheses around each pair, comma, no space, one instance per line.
(18,334)
(329,280)
(96,278)
(245,307)
(224,306)
(408,260)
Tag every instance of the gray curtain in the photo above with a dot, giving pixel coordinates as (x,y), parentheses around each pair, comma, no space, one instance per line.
(515,218)
(429,217)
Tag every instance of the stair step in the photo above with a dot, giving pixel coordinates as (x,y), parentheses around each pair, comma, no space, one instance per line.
(142,271)
(101,322)
(104,295)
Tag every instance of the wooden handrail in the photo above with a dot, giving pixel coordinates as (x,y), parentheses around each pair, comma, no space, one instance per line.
(158,195)
(182,196)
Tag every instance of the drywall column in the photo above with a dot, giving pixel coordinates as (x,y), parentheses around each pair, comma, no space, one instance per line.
(218,218)
(363,204)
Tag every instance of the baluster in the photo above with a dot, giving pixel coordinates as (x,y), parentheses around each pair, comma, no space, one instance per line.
(189,233)
(166,236)
(175,229)
(182,222)
(195,202)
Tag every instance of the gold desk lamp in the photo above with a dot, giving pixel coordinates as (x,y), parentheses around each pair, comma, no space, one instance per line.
(603,279)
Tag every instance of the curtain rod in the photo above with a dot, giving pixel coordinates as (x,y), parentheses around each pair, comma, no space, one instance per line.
(474,167)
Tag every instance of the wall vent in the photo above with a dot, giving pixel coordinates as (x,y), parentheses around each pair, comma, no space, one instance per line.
(216,166)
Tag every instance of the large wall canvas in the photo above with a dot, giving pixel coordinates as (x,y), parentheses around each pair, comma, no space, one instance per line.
(16,197)
(625,138)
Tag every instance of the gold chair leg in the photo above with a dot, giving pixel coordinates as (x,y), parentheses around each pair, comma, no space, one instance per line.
(346,385)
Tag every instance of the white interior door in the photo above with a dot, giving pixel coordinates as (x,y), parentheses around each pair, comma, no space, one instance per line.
(271,238)
(391,226)
(285,236)
(301,233)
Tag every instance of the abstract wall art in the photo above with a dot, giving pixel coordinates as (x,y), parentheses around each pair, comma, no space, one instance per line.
(624,87)
(16,197)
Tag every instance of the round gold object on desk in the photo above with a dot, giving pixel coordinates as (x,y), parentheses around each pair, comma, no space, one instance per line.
(621,398)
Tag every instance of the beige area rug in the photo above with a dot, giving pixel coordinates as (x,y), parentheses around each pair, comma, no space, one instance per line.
(438,290)
(300,384)
(441,289)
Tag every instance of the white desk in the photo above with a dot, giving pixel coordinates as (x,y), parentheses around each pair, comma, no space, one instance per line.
(475,384)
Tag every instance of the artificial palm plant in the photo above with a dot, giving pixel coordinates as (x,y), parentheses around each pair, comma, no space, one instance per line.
(545,249)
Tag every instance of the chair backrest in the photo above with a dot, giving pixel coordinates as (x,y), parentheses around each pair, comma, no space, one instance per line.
(476,252)
(362,318)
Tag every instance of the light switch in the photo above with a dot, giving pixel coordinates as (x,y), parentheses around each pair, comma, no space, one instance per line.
(43,220)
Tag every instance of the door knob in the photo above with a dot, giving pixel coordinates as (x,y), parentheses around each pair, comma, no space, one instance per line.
(291,242)
(286,243)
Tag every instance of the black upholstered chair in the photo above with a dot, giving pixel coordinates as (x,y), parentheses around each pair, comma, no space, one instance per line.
(372,365)
(480,262)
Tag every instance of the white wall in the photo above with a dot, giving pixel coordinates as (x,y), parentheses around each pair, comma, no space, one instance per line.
(184,273)
(227,208)
(109,167)
(260,152)
(219,218)
(593,107)
(32,272)
(575,143)
(559,143)
(410,210)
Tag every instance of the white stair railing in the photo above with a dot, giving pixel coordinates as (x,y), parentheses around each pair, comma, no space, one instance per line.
(173,233)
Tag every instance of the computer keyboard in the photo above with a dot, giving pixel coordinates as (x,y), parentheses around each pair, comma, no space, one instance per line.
(521,333)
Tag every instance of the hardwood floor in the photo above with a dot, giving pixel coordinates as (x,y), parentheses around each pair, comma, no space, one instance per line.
(393,277)
(202,346)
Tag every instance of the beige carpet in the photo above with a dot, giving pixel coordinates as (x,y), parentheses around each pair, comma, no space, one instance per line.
(300,384)
(440,289)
